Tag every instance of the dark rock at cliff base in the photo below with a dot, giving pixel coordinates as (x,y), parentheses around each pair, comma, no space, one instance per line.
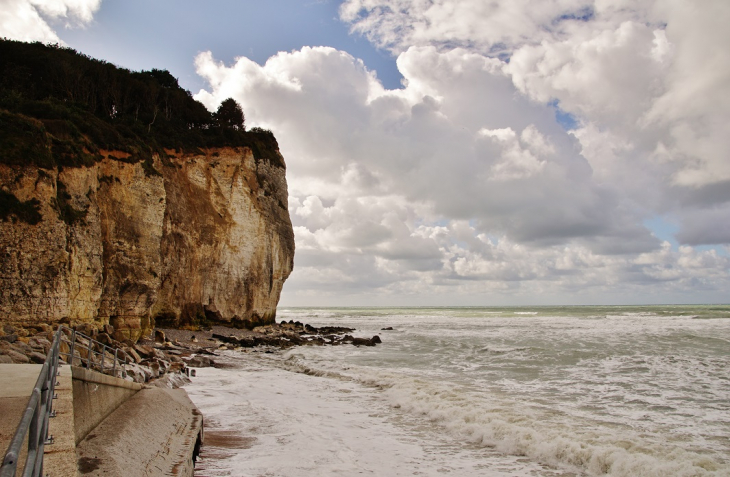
(21,347)
(10,338)
(200,362)
(226,339)
(104,338)
(362,342)
(389,328)
(37,358)
(133,355)
(87,329)
(17,357)
(327,330)
(316,341)
(144,351)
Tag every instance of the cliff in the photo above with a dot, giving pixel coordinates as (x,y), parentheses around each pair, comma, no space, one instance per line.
(124,201)
(202,237)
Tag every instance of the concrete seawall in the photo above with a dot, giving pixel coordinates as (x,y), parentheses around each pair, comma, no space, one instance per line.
(156,432)
(105,425)
(96,396)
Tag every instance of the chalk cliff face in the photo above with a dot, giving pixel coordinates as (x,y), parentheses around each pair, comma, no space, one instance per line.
(198,237)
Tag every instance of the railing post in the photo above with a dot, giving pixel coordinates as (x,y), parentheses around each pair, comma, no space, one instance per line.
(114,366)
(89,355)
(72,347)
(103,352)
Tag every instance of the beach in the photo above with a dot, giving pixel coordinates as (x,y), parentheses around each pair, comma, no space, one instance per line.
(462,391)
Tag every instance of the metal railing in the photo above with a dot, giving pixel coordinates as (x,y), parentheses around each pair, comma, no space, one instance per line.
(34,422)
(95,351)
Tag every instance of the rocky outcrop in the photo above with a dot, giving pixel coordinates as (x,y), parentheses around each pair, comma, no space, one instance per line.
(181,239)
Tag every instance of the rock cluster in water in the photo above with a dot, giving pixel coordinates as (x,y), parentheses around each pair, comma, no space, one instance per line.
(164,359)
(288,334)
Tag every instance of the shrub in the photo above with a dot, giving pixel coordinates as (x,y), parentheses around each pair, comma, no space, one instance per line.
(11,207)
(59,107)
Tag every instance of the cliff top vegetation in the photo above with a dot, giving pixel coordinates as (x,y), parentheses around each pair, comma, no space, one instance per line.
(60,108)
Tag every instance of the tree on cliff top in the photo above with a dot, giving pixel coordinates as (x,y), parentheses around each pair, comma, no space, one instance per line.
(62,108)
(230,115)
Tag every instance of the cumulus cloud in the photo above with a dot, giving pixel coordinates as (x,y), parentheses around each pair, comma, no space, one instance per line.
(652,75)
(28,20)
(461,183)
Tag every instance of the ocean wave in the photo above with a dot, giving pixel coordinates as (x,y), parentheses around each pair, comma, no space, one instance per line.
(511,427)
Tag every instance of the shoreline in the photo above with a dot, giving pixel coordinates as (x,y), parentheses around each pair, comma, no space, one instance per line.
(284,422)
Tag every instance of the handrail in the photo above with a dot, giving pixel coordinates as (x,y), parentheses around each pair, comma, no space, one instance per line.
(34,422)
(89,360)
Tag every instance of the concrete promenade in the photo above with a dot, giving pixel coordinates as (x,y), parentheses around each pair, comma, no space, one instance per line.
(16,386)
(154,432)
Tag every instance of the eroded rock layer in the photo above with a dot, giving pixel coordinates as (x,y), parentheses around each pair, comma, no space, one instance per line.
(197,238)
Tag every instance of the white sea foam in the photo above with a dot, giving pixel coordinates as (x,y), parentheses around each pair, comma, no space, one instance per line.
(599,392)
(304,425)
(514,428)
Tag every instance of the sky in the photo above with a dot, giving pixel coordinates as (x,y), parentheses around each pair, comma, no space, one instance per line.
(462,152)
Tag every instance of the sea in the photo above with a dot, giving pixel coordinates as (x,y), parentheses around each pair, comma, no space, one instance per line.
(507,391)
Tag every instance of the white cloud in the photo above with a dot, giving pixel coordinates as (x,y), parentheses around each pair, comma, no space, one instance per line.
(28,20)
(462,182)
(651,75)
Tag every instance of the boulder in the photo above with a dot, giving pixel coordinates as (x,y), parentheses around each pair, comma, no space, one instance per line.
(9,337)
(139,374)
(200,362)
(247,342)
(43,327)
(362,342)
(40,343)
(87,328)
(37,358)
(21,347)
(5,359)
(153,366)
(226,339)
(17,357)
(144,351)
(133,355)
(177,366)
